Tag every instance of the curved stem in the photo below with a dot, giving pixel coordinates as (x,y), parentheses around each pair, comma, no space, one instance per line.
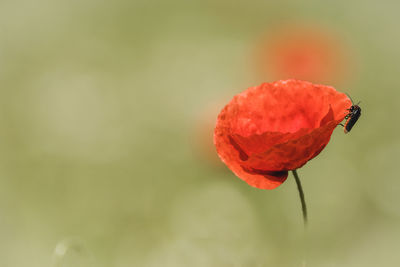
(301,194)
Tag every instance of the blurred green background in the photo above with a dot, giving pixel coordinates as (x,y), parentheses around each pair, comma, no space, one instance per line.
(102,154)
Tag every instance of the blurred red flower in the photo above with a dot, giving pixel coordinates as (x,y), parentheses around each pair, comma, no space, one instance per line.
(272,128)
(201,136)
(304,52)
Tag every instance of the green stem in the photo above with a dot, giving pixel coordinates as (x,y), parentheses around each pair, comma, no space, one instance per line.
(301,194)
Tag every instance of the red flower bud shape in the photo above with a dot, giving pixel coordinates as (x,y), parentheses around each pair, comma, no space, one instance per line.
(273,128)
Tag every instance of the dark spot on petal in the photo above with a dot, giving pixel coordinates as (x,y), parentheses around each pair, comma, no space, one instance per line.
(242,155)
(272,175)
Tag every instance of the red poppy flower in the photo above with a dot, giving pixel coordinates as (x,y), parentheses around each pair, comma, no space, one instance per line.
(303,52)
(270,129)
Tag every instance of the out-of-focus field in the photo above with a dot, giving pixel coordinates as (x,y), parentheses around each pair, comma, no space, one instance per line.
(106,122)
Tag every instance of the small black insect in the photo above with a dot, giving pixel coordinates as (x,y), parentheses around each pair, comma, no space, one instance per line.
(352,117)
